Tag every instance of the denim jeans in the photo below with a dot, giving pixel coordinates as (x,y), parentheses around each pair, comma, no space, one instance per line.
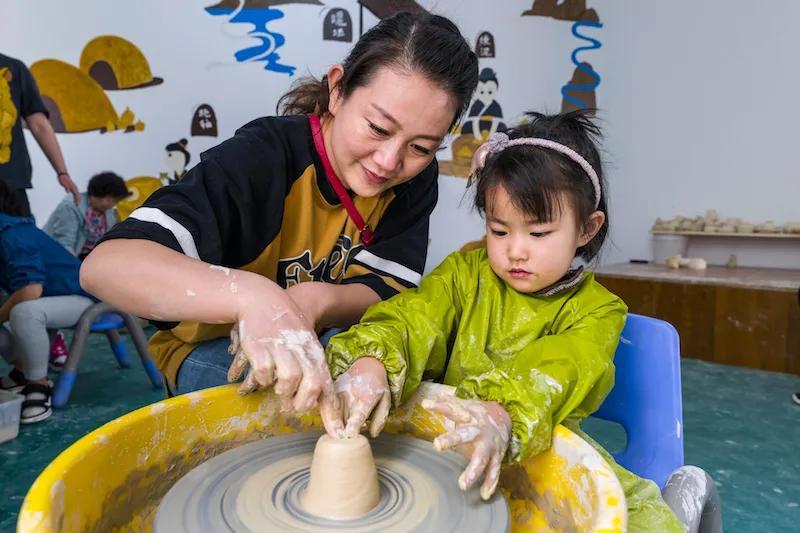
(207,365)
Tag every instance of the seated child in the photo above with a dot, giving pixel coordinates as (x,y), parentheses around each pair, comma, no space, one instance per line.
(41,279)
(526,339)
(78,227)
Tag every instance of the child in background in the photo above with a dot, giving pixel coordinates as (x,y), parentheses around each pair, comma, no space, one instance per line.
(41,279)
(527,340)
(78,228)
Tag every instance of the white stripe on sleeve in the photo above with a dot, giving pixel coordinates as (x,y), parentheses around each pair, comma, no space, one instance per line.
(182,235)
(395,269)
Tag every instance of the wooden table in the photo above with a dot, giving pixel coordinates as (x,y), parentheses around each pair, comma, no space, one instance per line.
(744,316)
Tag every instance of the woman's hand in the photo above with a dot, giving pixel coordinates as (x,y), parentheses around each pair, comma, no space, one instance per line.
(486,426)
(364,390)
(276,341)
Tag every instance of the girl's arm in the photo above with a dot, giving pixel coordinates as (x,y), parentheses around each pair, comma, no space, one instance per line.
(567,373)
(409,333)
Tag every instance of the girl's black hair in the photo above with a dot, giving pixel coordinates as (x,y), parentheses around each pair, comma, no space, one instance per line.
(429,44)
(537,178)
(10,203)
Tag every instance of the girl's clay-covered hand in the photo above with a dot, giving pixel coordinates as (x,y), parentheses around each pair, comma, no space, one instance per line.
(364,389)
(485,426)
(281,348)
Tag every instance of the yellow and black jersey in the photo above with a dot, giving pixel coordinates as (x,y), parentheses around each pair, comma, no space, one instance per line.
(261,202)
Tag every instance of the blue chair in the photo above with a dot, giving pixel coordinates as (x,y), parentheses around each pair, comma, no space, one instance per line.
(646,399)
(101,317)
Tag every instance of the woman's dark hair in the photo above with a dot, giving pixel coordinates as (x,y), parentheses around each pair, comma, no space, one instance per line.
(536,178)
(10,203)
(107,184)
(429,44)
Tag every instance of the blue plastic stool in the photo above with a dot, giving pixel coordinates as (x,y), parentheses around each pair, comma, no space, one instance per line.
(102,317)
(646,399)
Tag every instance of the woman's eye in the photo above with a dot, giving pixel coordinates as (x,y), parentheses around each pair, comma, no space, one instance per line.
(378,130)
(421,149)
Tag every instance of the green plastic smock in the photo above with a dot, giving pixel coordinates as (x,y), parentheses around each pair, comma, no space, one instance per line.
(547,358)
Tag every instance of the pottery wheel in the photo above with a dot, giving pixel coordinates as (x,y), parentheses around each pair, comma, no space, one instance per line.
(419,491)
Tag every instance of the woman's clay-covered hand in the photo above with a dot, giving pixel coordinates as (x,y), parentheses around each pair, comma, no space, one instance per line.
(280,347)
(363,390)
(485,427)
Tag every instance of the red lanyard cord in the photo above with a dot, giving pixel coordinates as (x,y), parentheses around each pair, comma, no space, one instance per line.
(316,132)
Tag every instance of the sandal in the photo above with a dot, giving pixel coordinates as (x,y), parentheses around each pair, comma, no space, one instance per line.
(14,381)
(36,406)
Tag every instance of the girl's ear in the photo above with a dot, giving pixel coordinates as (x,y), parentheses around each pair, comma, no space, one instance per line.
(335,74)
(591,227)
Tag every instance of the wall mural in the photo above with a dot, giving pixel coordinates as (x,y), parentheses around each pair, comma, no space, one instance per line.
(337,26)
(176,159)
(258,13)
(485,116)
(75,97)
(579,92)
(204,122)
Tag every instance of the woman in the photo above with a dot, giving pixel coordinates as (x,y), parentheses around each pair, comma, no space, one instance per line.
(298,223)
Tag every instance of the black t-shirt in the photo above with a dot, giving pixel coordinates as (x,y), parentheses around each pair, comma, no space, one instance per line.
(19,98)
(261,202)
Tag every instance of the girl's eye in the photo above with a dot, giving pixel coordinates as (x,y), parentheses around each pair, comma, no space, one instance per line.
(540,234)
(380,131)
(498,233)
(421,149)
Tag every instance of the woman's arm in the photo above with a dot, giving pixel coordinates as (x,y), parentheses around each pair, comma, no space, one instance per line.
(153,281)
(333,306)
(273,336)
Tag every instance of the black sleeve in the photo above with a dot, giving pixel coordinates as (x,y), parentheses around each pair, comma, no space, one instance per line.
(227,208)
(396,260)
(30,99)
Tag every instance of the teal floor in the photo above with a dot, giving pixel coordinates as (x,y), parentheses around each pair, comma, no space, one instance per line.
(740,426)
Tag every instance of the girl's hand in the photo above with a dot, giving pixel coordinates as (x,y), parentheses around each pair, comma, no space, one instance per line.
(362,390)
(484,425)
(279,345)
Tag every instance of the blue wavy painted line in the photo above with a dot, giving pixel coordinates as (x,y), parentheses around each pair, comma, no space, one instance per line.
(594,45)
(270,41)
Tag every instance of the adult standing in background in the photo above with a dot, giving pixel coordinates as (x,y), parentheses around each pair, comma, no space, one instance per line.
(20,99)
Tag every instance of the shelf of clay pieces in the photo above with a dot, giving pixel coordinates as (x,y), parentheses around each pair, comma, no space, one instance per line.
(745,235)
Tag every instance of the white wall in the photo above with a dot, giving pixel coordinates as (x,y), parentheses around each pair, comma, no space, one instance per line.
(193,52)
(700,102)
(698,98)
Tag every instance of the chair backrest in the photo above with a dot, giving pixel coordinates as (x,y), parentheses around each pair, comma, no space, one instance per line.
(646,399)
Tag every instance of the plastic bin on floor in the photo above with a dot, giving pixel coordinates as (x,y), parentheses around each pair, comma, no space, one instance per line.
(10,408)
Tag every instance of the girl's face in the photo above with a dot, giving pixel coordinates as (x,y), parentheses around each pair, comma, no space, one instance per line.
(386,132)
(530,255)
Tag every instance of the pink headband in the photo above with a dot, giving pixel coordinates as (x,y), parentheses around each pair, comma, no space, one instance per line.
(500,141)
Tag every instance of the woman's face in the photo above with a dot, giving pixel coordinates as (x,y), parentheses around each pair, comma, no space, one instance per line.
(386,132)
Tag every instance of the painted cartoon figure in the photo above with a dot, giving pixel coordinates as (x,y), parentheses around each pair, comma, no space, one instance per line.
(485,113)
(177,159)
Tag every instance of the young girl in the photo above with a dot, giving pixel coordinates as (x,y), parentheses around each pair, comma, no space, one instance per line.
(41,279)
(298,222)
(527,339)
